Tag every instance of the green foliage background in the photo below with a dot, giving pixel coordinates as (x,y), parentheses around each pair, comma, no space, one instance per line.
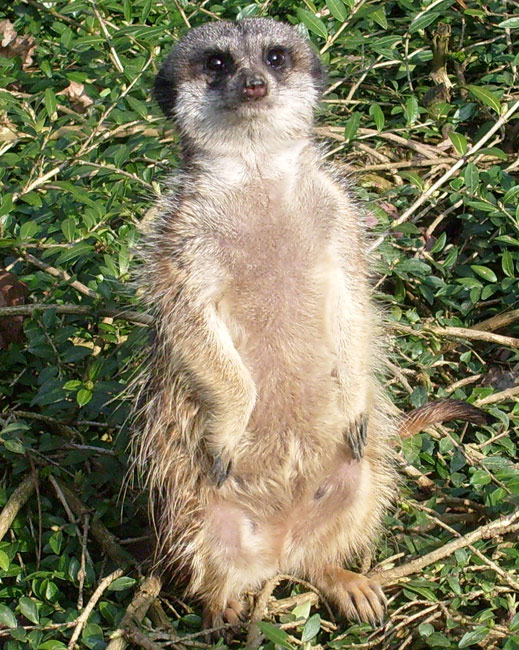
(79,174)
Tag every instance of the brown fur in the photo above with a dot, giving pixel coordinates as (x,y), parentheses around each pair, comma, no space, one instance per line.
(266,349)
(440,411)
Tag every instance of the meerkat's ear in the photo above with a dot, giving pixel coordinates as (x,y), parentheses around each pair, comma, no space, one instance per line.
(164,90)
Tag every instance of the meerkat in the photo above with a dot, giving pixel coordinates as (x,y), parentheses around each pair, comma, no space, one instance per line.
(266,440)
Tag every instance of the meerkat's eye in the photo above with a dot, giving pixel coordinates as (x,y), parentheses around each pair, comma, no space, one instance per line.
(217,63)
(276,58)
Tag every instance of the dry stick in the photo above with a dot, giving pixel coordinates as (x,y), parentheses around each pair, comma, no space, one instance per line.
(402,164)
(135,636)
(254,634)
(83,617)
(137,609)
(448,174)
(490,563)
(500,526)
(107,540)
(459,332)
(498,397)
(62,275)
(80,310)
(15,503)
(113,53)
(499,321)
(477,335)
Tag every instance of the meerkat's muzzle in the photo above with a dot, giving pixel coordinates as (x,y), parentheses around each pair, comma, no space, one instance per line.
(254,87)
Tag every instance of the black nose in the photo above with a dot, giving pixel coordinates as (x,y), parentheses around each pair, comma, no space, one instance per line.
(254,87)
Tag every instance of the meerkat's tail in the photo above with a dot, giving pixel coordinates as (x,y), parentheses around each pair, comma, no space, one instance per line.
(442,410)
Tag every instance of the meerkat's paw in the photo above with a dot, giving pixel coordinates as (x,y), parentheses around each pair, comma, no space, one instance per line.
(219,470)
(357,597)
(357,435)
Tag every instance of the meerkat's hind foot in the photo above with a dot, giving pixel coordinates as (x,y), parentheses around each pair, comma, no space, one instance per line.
(356,435)
(356,596)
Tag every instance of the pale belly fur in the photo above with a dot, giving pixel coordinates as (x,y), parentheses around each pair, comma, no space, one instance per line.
(276,308)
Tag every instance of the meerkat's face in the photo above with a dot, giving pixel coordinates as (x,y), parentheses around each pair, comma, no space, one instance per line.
(224,80)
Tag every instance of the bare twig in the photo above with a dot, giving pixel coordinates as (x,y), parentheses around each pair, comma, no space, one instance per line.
(459,332)
(80,310)
(498,527)
(450,173)
(136,611)
(61,274)
(15,503)
(498,397)
(254,635)
(94,598)
(107,540)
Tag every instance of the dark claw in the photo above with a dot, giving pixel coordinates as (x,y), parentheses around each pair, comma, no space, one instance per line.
(357,436)
(364,430)
(219,471)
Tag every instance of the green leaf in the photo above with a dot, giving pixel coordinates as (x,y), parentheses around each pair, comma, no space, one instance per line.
(55,541)
(511,23)
(4,561)
(28,609)
(507,264)
(511,195)
(68,228)
(302,610)
(483,271)
(486,96)
(313,23)
(352,126)
(337,9)
(411,109)
(311,628)
(439,243)
(52,645)
(459,141)
(471,177)
(28,230)
(127,9)
(50,103)
(379,16)
(438,640)
(274,634)
(14,446)
(83,396)
(480,478)
(122,583)
(378,116)
(473,637)
(7,616)
(78,250)
(423,21)
(413,178)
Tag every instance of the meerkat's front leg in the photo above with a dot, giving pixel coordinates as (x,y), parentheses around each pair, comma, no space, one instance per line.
(353,372)
(225,384)
(204,350)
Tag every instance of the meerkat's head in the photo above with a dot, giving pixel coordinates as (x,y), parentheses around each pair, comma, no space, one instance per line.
(255,78)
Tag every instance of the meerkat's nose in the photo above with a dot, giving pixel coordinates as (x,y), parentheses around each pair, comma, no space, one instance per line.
(254,87)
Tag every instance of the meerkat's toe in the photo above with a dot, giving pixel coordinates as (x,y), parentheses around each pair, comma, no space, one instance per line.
(234,612)
(357,597)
